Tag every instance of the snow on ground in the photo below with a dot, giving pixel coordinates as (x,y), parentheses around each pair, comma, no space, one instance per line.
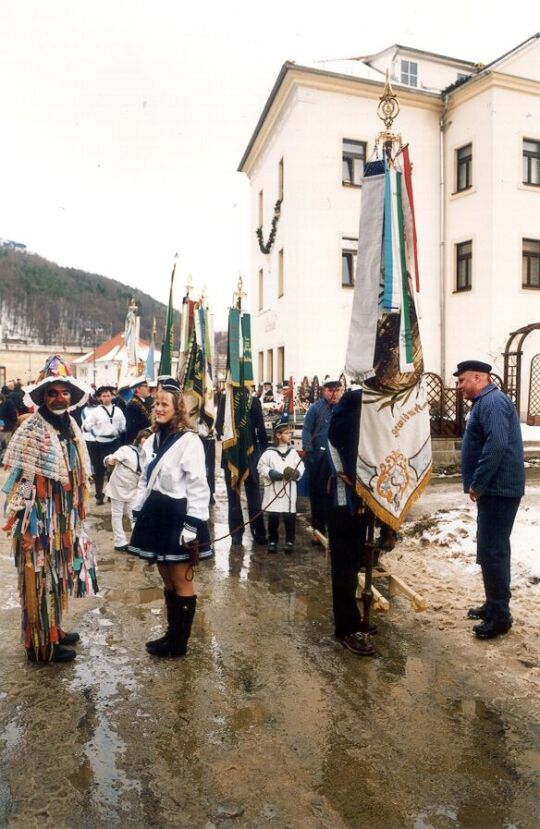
(455,531)
(530,433)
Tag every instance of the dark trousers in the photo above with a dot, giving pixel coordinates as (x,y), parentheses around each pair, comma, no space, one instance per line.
(98,452)
(289,522)
(319,473)
(209,445)
(347,535)
(496,516)
(253,496)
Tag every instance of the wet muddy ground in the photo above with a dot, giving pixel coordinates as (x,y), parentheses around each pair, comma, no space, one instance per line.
(268,722)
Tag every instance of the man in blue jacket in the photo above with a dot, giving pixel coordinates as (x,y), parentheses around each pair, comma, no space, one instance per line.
(493,471)
(315,446)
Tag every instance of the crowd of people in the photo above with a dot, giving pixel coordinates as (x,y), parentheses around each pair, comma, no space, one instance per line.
(140,451)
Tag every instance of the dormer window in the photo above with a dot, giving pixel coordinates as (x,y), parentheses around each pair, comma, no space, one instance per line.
(409,72)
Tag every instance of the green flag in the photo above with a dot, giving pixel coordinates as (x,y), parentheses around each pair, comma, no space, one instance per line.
(165,365)
(237,439)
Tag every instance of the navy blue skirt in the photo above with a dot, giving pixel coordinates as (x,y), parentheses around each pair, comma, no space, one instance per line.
(156,533)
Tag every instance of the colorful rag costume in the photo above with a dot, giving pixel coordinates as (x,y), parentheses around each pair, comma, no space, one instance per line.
(47,493)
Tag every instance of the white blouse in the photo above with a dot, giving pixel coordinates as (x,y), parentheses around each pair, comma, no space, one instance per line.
(181,474)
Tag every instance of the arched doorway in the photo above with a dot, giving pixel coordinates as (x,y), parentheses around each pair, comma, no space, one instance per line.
(533,408)
(513,355)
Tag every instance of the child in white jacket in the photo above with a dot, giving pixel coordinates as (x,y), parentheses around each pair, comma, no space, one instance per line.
(279,468)
(122,486)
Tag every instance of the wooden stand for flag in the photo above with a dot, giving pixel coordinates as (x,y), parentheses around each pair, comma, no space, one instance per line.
(396,585)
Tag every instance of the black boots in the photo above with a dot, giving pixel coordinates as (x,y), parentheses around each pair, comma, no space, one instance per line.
(157,643)
(180,613)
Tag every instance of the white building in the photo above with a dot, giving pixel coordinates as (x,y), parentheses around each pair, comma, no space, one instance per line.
(474,135)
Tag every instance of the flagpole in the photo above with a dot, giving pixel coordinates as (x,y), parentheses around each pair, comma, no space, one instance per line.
(165,363)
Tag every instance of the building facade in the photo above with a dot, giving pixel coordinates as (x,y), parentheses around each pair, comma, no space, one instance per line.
(474,136)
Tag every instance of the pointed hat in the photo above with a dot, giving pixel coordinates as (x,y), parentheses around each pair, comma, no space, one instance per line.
(56,370)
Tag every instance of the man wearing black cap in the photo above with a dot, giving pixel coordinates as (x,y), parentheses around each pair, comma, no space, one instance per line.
(137,415)
(314,444)
(493,470)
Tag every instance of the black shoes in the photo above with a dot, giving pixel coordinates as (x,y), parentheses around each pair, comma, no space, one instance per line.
(122,549)
(477,612)
(260,539)
(355,643)
(289,547)
(59,654)
(490,629)
(100,500)
(272,547)
(69,638)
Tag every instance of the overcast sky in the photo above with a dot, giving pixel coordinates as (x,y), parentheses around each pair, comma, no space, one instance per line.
(123,121)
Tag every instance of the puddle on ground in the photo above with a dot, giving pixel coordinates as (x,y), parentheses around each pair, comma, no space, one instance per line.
(141,595)
(103,679)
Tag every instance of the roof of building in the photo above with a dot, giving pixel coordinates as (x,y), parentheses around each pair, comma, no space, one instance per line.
(359,68)
(111,351)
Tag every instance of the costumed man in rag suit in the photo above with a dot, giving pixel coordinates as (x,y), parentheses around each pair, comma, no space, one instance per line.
(259,440)
(137,415)
(47,493)
(314,444)
(107,424)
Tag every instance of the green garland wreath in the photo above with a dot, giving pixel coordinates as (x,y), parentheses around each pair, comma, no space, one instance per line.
(267,247)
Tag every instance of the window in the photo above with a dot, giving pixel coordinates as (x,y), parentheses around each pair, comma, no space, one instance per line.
(281,179)
(281,275)
(409,72)
(261,367)
(464,266)
(354,159)
(349,249)
(280,364)
(531,263)
(261,214)
(261,289)
(269,366)
(531,161)
(464,168)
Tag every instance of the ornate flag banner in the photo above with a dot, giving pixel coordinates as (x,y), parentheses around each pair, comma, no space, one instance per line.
(237,441)
(195,363)
(384,349)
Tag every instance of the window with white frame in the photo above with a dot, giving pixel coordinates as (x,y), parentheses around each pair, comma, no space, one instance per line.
(464,168)
(409,72)
(531,161)
(349,250)
(531,263)
(354,159)
(464,266)
(261,289)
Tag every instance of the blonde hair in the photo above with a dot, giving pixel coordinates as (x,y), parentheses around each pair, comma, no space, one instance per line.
(179,420)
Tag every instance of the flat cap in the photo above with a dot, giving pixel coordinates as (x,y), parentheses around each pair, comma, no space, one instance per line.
(472,365)
(332,383)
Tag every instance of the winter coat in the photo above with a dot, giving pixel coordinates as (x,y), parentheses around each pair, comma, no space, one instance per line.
(278,459)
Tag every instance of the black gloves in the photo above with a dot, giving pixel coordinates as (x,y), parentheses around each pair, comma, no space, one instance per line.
(274,475)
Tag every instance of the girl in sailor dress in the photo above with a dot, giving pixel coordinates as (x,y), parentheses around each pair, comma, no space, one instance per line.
(122,486)
(170,514)
(280,467)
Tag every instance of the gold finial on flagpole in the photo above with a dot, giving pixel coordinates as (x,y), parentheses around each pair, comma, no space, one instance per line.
(189,285)
(388,110)
(202,298)
(239,294)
